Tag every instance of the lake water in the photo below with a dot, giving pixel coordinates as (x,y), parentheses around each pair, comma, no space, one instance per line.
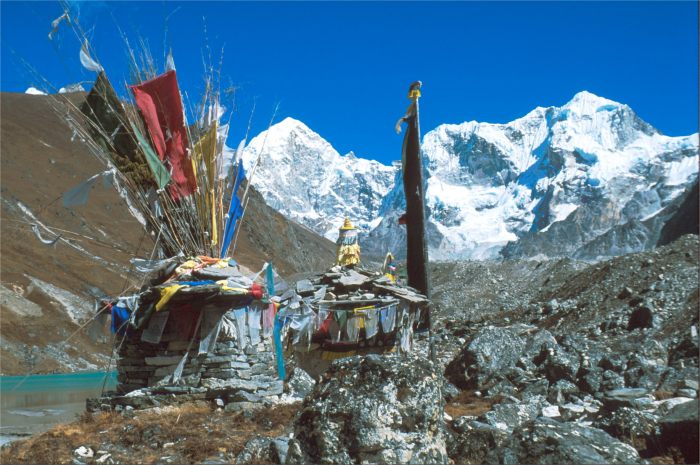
(35,403)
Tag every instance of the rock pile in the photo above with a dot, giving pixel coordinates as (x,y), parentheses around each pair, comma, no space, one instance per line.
(372,409)
(349,311)
(572,393)
(608,355)
(341,286)
(238,377)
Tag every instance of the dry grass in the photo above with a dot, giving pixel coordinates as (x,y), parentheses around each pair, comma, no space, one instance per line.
(466,403)
(663,395)
(672,456)
(195,432)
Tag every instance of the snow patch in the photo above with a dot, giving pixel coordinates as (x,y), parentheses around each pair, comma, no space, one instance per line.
(34,91)
(74,306)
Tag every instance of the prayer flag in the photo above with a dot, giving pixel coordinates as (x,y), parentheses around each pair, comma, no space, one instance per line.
(161,108)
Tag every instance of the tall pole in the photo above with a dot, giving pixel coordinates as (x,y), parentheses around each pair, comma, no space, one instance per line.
(412,163)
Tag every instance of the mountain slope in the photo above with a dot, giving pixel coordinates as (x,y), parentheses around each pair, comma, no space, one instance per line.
(48,291)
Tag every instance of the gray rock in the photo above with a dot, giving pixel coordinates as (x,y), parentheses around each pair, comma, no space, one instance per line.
(280,448)
(676,378)
(538,344)
(679,428)
(449,391)
(483,358)
(537,388)
(243,396)
(257,450)
(300,383)
(625,397)
(591,380)
(611,380)
(547,441)
(214,385)
(561,365)
(613,362)
(372,409)
(163,360)
(626,424)
(243,407)
(509,416)
(625,293)
(304,287)
(687,393)
(274,388)
(561,391)
(473,440)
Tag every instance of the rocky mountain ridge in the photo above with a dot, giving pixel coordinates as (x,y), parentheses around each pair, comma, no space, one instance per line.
(302,176)
(589,179)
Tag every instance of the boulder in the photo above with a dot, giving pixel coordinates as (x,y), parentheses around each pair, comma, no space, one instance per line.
(482,359)
(561,365)
(539,387)
(561,391)
(372,409)
(449,391)
(300,383)
(472,440)
(686,348)
(626,397)
(257,450)
(611,381)
(626,424)
(547,441)
(537,344)
(507,417)
(679,428)
(590,380)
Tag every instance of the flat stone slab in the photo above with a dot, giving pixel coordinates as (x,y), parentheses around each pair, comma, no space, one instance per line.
(163,360)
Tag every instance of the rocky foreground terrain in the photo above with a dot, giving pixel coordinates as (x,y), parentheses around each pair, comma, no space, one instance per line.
(536,362)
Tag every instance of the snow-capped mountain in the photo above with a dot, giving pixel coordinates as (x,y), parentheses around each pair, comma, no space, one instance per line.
(587,179)
(302,176)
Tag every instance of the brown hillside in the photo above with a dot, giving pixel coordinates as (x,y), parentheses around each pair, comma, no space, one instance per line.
(43,284)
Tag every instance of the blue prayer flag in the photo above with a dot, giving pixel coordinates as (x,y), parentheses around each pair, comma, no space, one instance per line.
(235,210)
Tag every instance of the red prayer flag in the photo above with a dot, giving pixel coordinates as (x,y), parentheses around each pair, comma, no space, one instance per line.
(161,109)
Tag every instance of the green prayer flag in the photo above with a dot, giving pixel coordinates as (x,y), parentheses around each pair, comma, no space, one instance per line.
(160,173)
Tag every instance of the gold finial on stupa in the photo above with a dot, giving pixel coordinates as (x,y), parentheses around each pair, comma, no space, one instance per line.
(348,246)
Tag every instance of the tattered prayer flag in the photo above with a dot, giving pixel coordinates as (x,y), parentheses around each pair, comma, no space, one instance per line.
(87,61)
(160,173)
(161,108)
(109,127)
(204,152)
(235,210)
(78,195)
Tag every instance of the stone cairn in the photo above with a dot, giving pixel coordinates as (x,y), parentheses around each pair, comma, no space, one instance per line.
(182,343)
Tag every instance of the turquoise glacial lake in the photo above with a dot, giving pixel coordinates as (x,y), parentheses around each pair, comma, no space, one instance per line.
(33,404)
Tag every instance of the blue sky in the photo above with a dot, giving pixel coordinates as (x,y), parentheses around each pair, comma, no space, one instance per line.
(343,67)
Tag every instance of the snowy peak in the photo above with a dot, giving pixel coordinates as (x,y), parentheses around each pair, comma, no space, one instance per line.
(586,103)
(493,184)
(301,175)
(551,182)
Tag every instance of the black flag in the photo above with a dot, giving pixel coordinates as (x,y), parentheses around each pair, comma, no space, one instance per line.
(411,159)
